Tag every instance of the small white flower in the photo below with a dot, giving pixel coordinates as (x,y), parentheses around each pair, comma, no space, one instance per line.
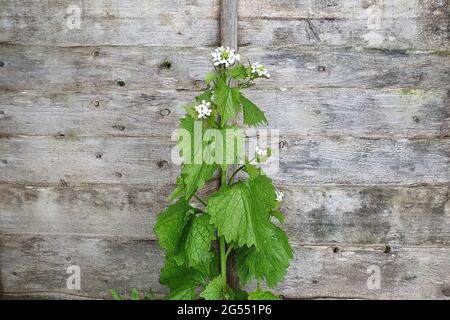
(260,70)
(225,56)
(280,196)
(203,109)
(260,152)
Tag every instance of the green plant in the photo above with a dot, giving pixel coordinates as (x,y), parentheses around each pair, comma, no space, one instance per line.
(239,215)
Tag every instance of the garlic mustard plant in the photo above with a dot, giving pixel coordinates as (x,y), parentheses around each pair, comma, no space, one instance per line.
(243,216)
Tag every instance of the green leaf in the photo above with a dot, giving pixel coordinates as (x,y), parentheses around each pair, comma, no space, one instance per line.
(239,72)
(264,192)
(239,214)
(185,292)
(262,295)
(253,116)
(170,225)
(206,95)
(252,171)
(179,190)
(190,256)
(277,215)
(211,76)
(134,294)
(227,100)
(217,290)
(116,295)
(269,263)
(195,176)
(176,275)
(198,243)
(214,290)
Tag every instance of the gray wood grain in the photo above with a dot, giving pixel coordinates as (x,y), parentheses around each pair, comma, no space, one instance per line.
(358,112)
(111,22)
(406,272)
(39,264)
(35,266)
(319,66)
(359,90)
(393,24)
(376,24)
(357,215)
(70,69)
(229,23)
(303,161)
(365,161)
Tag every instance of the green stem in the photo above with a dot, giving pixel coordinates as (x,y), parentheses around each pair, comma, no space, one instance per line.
(223,260)
(230,247)
(222,244)
(200,200)
(235,172)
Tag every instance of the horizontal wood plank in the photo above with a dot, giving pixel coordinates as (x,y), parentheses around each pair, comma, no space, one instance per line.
(357,112)
(110,22)
(413,24)
(146,68)
(345,160)
(377,24)
(39,263)
(406,273)
(317,66)
(358,215)
(303,161)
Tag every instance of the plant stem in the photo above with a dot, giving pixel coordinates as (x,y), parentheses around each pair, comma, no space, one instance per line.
(200,200)
(230,247)
(234,173)
(222,244)
(223,260)
(239,169)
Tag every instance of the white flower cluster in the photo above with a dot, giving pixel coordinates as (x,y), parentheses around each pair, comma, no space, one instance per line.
(203,109)
(260,152)
(260,70)
(225,56)
(280,196)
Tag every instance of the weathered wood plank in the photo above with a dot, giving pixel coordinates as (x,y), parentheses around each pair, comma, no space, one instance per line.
(38,263)
(71,69)
(229,23)
(74,160)
(335,9)
(336,111)
(89,210)
(359,215)
(406,272)
(317,66)
(377,24)
(345,160)
(95,112)
(385,24)
(402,113)
(110,22)
(306,161)
(367,215)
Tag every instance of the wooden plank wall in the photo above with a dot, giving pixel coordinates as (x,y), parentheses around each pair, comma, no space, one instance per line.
(359,90)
